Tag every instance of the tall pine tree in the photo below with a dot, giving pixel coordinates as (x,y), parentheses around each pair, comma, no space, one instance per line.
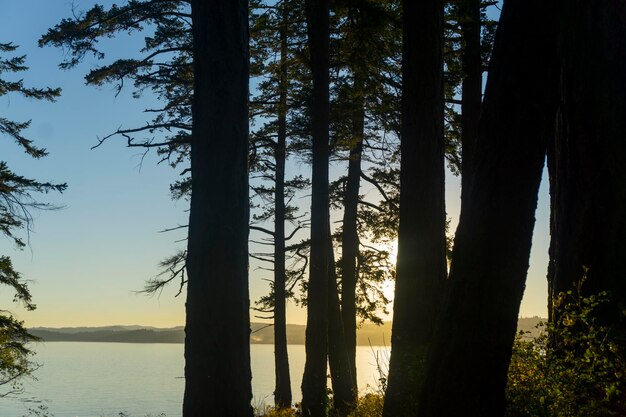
(217,330)
(314,396)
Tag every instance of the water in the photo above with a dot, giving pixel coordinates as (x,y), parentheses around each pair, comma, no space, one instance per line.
(103,379)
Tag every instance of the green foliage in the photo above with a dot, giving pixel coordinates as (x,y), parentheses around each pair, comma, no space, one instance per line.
(279,412)
(370,405)
(573,368)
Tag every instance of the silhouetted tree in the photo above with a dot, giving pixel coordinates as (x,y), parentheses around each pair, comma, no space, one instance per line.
(344,388)
(216,258)
(421,269)
(469,16)
(314,396)
(589,154)
(282,393)
(468,359)
(217,331)
(16,201)
(365,43)
(276,43)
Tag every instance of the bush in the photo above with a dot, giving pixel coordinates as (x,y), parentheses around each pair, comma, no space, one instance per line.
(279,412)
(370,405)
(573,368)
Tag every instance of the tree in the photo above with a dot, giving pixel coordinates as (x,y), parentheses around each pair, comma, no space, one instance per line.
(275,46)
(468,359)
(421,269)
(282,393)
(469,16)
(589,153)
(365,43)
(217,331)
(314,397)
(214,36)
(16,201)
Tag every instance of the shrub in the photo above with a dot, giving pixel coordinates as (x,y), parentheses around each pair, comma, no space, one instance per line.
(573,368)
(370,405)
(280,412)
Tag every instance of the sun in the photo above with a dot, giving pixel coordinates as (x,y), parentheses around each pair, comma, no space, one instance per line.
(393,253)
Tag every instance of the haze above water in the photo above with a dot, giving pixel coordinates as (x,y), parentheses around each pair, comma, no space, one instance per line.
(82,379)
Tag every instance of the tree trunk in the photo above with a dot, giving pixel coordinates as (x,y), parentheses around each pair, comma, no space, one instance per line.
(469,358)
(217,332)
(590,190)
(314,397)
(282,392)
(421,269)
(471,96)
(344,390)
(350,235)
(551,163)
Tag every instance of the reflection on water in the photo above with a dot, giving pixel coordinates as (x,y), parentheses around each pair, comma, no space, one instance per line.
(103,379)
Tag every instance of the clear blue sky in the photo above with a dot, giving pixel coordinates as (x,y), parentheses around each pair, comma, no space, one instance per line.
(85,262)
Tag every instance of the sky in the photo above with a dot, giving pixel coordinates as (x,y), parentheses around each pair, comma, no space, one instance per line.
(87,261)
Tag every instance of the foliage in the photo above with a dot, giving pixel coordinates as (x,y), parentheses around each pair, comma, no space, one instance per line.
(370,405)
(162,67)
(16,190)
(15,202)
(279,412)
(573,368)
(15,356)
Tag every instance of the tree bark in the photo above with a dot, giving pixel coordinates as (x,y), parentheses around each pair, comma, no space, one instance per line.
(314,397)
(469,358)
(421,268)
(282,391)
(350,235)
(217,332)
(471,96)
(344,390)
(590,180)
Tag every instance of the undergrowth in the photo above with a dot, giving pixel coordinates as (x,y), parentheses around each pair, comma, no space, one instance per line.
(573,368)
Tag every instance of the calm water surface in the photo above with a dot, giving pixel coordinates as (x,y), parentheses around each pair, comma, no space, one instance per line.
(103,379)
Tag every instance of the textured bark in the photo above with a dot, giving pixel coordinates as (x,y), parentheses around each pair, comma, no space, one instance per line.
(468,360)
(350,236)
(217,332)
(282,391)
(421,269)
(471,96)
(314,397)
(344,390)
(590,155)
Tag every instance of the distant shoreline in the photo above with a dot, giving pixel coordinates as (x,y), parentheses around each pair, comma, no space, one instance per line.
(368,334)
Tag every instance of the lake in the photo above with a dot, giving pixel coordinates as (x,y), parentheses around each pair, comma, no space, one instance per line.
(80,379)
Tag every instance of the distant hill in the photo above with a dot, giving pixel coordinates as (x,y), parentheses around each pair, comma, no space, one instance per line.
(367,334)
(107,334)
(529,324)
